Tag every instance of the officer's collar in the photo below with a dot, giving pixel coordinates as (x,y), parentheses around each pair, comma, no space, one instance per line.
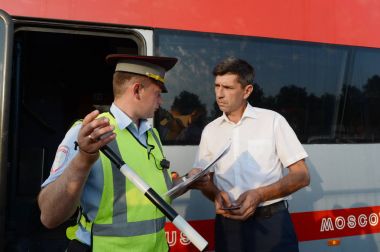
(124,121)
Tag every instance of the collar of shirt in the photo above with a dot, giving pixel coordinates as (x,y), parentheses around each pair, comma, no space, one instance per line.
(249,112)
(124,121)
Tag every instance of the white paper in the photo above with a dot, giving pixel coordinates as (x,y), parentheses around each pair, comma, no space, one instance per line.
(181,186)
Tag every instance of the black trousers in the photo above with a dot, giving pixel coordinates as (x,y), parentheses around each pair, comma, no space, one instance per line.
(270,229)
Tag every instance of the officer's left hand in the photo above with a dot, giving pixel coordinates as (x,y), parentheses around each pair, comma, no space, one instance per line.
(200,182)
(248,202)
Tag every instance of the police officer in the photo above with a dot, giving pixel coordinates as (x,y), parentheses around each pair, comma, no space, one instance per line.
(114,214)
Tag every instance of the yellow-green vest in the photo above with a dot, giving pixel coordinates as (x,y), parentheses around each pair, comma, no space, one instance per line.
(126,219)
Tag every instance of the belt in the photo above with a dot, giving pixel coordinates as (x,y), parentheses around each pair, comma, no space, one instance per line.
(270,210)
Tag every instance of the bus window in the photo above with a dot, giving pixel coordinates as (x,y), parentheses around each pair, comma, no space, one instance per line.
(59,75)
(328,93)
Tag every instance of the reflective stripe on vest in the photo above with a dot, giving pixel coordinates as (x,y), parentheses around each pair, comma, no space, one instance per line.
(129,229)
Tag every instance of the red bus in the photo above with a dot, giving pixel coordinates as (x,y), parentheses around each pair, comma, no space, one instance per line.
(317,63)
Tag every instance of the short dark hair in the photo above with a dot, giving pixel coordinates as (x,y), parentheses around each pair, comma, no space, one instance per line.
(119,82)
(241,68)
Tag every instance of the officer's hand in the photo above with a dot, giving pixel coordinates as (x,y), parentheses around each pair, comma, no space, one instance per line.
(89,137)
(248,202)
(201,182)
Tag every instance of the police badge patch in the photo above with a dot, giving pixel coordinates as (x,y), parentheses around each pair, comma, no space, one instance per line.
(60,158)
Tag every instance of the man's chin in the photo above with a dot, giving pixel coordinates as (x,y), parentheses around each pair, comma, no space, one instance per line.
(223,109)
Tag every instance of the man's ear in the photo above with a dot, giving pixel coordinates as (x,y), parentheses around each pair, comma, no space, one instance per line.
(136,89)
(248,91)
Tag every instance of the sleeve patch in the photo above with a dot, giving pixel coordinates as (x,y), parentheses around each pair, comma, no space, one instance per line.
(60,158)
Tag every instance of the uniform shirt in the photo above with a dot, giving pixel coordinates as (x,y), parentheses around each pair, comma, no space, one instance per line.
(92,191)
(262,144)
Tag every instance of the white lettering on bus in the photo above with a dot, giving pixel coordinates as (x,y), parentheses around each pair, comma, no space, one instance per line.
(340,222)
(171,237)
(351,221)
(373,219)
(184,240)
(362,220)
(326,225)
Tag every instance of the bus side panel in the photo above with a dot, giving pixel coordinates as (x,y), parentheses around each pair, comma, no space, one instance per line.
(351,22)
(343,193)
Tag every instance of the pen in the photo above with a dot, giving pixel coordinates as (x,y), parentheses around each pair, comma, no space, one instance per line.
(184,177)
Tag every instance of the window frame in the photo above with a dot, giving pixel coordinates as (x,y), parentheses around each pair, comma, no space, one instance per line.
(5,77)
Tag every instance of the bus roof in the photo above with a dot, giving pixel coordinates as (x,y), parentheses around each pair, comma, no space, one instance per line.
(351,22)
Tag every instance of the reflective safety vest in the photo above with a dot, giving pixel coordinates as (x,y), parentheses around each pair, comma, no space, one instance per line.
(126,220)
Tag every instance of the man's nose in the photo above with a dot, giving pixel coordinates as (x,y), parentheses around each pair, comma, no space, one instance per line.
(219,93)
(160,100)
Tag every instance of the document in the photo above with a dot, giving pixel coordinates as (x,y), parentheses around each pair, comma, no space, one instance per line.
(188,181)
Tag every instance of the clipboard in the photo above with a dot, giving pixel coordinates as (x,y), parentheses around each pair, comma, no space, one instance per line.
(188,181)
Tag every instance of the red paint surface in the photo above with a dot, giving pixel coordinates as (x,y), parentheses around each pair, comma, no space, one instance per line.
(349,22)
(308,226)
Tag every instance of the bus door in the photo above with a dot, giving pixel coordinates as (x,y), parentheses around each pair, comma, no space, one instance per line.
(6,35)
(59,74)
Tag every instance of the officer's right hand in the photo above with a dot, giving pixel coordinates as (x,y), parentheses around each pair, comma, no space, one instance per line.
(94,134)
